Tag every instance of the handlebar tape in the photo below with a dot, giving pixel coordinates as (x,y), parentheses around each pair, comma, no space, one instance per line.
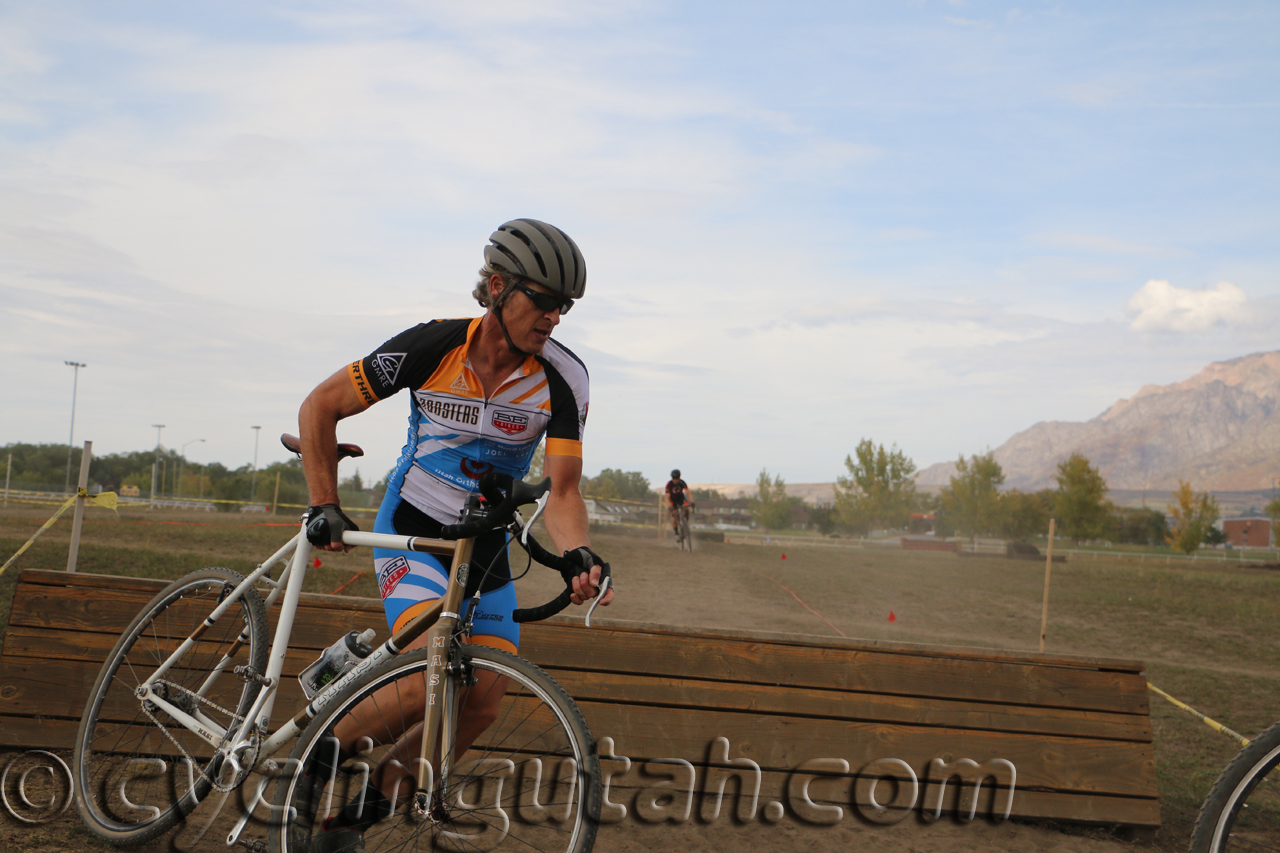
(568,569)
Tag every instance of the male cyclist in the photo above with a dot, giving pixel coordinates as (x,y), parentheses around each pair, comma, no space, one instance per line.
(677,492)
(483,394)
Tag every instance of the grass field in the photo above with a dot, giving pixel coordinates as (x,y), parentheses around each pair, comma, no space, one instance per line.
(1207,632)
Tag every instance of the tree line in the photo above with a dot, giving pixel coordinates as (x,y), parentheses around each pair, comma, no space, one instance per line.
(877,491)
(42,467)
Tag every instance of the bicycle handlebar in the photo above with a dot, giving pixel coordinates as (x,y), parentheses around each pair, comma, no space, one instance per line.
(502,513)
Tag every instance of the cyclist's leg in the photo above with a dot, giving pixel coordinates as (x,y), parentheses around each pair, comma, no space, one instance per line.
(478,709)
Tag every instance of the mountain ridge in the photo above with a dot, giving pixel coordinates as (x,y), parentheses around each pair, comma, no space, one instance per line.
(1216,429)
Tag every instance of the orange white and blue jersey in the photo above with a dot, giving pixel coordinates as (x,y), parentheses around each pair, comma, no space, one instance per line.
(456,435)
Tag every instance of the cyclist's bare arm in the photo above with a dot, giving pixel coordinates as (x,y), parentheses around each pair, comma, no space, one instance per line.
(566,521)
(331,401)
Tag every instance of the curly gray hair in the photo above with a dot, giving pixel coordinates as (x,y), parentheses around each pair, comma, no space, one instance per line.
(481,290)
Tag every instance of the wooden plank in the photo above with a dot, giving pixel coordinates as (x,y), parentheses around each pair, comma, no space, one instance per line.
(61,688)
(833,668)
(768,699)
(316,625)
(629,789)
(782,743)
(147,588)
(824,641)
(37,643)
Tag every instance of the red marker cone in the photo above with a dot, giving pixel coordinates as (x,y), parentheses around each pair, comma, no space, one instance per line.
(784,556)
(892,618)
(316,564)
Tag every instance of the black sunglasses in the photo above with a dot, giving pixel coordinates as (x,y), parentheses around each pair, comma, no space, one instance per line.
(544,301)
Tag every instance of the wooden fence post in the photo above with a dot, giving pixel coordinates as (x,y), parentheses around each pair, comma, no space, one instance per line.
(8,469)
(1048,568)
(74,552)
(276,499)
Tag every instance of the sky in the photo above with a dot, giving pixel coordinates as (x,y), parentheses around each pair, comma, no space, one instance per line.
(929,224)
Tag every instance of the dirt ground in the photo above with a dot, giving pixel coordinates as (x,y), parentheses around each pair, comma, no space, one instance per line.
(1207,635)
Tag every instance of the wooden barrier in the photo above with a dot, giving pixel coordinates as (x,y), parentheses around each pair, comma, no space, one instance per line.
(820,718)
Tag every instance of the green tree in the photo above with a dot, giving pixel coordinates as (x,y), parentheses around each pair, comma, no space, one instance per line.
(1024,514)
(705,495)
(771,507)
(1191,516)
(1138,526)
(616,484)
(972,499)
(879,491)
(1081,502)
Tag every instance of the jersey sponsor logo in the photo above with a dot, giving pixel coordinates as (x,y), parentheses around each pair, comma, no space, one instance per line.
(390,574)
(463,413)
(362,385)
(510,422)
(474,469)
(582,416)
(386,366)
(460,384)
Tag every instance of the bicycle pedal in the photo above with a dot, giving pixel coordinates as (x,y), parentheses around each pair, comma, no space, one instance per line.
(254,845)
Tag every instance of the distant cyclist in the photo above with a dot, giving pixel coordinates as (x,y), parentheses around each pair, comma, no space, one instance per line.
(677,492)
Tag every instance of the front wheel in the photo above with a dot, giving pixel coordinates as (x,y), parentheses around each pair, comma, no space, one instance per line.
(137,770)
(530,782)
(1242,811)
(686,537)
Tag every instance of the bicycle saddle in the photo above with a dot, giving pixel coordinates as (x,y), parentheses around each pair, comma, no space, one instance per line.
(294,445)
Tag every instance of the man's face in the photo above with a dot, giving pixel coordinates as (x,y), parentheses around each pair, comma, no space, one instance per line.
(528,326)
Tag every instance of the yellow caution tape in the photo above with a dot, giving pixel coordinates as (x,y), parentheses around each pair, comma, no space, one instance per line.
(106,500)
(1213,724)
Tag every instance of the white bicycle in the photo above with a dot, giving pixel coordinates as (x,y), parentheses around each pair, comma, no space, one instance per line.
(183,703)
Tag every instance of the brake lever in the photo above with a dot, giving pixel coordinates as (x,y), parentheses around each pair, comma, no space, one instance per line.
(604,586)
(541,504)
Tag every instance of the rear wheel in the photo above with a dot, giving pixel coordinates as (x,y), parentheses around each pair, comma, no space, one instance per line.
(138,772)
(530,782)
(1242,811)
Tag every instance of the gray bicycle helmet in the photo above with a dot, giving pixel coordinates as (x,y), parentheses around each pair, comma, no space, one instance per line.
(541,253)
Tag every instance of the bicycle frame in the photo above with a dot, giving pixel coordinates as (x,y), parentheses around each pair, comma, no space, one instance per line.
(440,620)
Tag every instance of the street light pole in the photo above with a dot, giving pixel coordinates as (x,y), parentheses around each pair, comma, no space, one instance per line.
(182,460)
(253,481)
(71,439)
(155,469)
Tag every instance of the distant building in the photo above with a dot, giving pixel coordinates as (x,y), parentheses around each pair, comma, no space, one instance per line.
(922,522)
(1252,532)
(725,514)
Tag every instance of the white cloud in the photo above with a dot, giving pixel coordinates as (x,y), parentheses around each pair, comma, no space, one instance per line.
(1161,307)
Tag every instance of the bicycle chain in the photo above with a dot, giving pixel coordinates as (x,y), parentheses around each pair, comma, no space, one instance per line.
(236,718)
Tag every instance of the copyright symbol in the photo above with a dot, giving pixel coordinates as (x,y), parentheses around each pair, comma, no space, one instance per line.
(33,784)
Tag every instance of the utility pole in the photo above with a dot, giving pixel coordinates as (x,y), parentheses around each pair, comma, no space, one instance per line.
(253,481)
(182,460)
(156,467)
(75,381)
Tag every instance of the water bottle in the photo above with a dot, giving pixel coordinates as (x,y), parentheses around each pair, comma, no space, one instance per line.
(348,651)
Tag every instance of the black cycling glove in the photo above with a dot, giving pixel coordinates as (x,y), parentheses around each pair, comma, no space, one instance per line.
(589,558)
(325,524)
